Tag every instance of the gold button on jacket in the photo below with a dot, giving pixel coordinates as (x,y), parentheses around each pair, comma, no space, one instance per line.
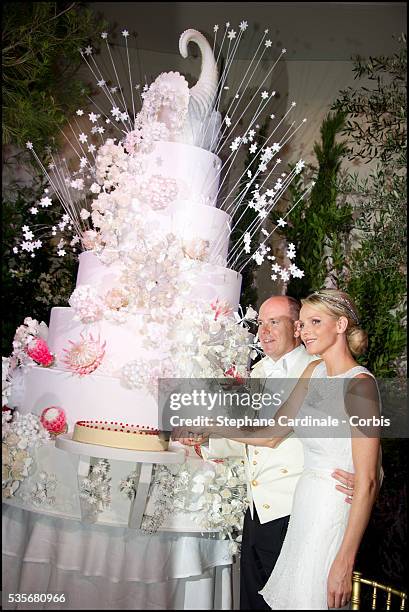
(284,471)
(254,483)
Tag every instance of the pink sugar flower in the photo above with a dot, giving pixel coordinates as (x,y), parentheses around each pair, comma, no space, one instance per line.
(85,355)
(221,309)
(53,419)
(40,353)
(234,373)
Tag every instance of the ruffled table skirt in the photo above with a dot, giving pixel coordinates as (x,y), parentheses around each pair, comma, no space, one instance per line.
(100,567)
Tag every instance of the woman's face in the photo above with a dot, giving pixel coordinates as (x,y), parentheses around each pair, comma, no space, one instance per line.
(319,331)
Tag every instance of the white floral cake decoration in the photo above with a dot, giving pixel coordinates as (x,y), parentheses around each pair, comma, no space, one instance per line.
(95,489)
(21,435)
(212,493)
(209,115)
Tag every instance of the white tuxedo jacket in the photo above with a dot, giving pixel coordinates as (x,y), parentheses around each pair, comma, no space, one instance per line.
(272,473)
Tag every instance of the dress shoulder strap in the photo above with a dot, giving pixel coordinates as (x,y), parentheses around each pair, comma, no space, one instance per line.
(358,370)
(319,371)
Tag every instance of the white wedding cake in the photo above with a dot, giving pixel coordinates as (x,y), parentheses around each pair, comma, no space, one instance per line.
(154,296)
(157,291)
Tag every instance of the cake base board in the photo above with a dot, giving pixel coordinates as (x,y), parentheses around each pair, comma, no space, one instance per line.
(171,456)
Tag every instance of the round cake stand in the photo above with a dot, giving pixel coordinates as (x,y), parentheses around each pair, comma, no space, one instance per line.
(147,459)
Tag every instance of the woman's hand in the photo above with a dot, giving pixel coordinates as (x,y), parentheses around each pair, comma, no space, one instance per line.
(339,584)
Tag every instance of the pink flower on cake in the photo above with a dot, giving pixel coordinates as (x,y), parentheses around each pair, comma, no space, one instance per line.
(221,309)
(234,373)
(40,353)
(85,355)
(53,419)
(25,338)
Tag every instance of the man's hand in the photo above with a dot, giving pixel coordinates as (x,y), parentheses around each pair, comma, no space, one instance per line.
(189,437)
(195,441)
(347,481)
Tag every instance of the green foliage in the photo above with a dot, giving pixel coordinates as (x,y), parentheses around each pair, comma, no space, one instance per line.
(31,286)
(377,133)
(40,59)
(377,114)
(351,233)
(376,279)
(318,225)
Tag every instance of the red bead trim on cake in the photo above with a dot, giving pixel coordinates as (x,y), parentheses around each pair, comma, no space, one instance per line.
(140,430)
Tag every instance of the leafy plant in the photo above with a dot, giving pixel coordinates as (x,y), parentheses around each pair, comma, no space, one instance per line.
(31,285)
(40,60)
(377,133)
(318,228)
(351,233)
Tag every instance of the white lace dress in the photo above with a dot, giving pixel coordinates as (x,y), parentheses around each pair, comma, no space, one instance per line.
(319,514)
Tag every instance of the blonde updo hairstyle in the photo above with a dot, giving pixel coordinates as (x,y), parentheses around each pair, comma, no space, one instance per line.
(339,304)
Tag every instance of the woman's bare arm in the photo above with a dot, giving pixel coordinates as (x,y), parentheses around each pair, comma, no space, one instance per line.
(269,436)
(365,453)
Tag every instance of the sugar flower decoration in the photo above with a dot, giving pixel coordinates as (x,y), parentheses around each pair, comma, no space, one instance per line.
(20,436)
(158,191)
(166,101)
(142,139)
(221,309)
(85,355)
(91,240)
(116,298)
(196,249)
(86,303)
(40,353)
(95,489)
(6,381)
(135,375)
(54,420)
(25,340)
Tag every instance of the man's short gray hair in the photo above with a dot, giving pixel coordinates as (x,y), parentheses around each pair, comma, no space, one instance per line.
(295,307)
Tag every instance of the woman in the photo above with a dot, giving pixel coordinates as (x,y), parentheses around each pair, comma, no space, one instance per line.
(314,569)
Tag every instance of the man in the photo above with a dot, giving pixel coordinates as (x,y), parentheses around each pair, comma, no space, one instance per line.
(272,473)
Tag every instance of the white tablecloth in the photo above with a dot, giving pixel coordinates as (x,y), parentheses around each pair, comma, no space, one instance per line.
(110,568)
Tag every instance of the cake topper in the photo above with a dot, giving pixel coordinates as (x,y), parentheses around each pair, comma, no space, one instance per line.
(214,115)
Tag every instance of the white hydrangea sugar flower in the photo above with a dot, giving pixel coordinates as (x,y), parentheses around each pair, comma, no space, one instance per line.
(87,304)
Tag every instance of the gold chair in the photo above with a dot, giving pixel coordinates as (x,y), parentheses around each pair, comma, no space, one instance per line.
(357,580)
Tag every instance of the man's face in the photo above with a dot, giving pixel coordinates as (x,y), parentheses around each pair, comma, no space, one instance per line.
(276,328)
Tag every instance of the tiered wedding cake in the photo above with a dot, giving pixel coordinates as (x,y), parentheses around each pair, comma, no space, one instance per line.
(157,289)
(153,297)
